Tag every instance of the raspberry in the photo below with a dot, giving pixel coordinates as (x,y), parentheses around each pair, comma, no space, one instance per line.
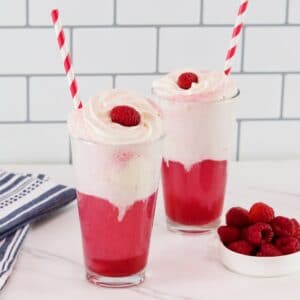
(244,233)
(125,115)
(268,249)
(242,247)
(185,80)
(297,228)
(228,234)
(261,212)
(259,233)
(283,226)
(288,244)
(237,216)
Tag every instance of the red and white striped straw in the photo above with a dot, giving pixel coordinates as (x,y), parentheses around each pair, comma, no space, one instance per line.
(238,26)
(65,55)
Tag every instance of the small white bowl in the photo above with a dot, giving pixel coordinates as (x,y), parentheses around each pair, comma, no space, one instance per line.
(259,266)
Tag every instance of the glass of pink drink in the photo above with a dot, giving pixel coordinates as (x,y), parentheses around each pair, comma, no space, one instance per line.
(199,117)
(117,168)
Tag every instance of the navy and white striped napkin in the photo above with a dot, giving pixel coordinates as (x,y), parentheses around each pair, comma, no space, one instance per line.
(24,198)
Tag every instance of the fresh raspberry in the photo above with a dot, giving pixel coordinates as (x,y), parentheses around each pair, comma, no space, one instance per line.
(297,228)
(242,247)
(288,244)
(283,226)
(228,234)
(244,233)
(125,115)
(237,216)
(261,212)
(185,80)
(259,233)
(268,249)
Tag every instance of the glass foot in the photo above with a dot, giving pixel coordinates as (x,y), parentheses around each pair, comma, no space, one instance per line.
(192,229)
(115,282)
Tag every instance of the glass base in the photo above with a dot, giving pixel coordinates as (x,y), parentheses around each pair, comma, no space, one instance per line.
(192,229)
(115,282)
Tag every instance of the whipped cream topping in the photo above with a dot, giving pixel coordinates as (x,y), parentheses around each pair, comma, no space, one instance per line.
(93,122)
(211,86)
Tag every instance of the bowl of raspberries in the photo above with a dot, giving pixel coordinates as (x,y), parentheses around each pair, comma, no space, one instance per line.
(256,242)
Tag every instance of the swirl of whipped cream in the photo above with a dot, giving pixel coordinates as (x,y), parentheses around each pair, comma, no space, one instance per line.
(212,86)
(93,122)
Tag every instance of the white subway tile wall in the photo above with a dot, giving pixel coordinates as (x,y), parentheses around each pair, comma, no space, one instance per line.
(34,143)
(140,83)
(260,96)
(13,99)
(200,47)
(259,12)
(272,49)
(158,12)
(9,15)
(75,12)
(29,51)
(291,108)
(269,139)
(127,44)
(294,8)
(112,50)
(55,103)
(50,105)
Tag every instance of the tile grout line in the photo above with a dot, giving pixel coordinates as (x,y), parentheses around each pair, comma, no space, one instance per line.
(143,74)
(114,80)
(70,151)
(287,9)
(283,81)
(243,49)
(137,26)
(238,140)
(27,13)
(71,44)
(27,99)
(157,49)
(201,12)
(115,12)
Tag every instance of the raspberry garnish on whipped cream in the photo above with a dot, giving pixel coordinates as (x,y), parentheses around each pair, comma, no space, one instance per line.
(210,86)
(125,115)
(94,121)
(185,80)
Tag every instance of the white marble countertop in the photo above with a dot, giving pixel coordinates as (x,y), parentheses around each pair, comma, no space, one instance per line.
(180,267)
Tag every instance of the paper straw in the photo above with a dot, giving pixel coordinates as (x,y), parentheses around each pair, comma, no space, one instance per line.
(238,26)
(65,55)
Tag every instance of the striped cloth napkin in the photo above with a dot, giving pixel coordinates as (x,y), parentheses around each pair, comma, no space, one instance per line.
(24,198)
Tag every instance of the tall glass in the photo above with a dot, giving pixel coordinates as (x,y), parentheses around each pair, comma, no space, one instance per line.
(117,188)
(194,169)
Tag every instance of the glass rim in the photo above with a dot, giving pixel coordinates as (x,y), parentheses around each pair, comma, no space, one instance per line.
(226,100)
(152,141)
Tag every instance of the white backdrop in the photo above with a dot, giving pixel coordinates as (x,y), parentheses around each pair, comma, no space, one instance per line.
(128,43)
